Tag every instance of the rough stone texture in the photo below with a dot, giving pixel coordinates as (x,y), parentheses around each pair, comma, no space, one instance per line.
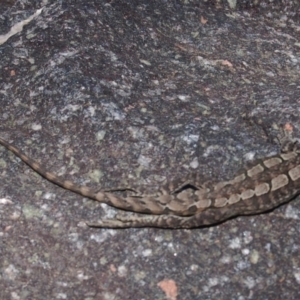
(118,93)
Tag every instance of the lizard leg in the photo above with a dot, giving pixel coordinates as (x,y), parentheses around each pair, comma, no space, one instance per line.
(164,221)
(205,218)
(286,140)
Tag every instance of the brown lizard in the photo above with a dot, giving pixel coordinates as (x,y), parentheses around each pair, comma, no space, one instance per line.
(266,184)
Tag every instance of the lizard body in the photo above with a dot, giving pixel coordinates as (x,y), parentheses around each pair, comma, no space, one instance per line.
(268,183)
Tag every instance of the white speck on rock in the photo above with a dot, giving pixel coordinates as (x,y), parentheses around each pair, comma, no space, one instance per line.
(226,259)
(36,127)
(61,296)
(292,213)
(11,272)
(242,265)
(297,276)
(147,252)
(191,138)
(184,98)
(246,251)
(250,282)
(15,215)
(248,238)
(81,276)
(100,135)
(15,296)
(95,175)
(145,62)
(249,156)
(113,111)
(5,201)
(136,132)
(254,257)
(144,161)
(235,243)
(215,127)
(104,235)
(194,163)
(194,267)
(71,107)
(49,196)
(122,271)
(91,111)
(232,4)
(213,281)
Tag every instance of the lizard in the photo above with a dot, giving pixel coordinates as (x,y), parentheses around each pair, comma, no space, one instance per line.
(260,187)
